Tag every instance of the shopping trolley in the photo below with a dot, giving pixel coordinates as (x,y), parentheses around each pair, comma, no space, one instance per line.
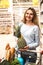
(39,59)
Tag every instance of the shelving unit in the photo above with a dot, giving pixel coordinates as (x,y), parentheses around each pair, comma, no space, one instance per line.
(41,15)
(5,21)
(21,1)
(19,9)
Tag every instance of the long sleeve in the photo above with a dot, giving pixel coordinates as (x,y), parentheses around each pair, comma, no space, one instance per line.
(31,35)
(36,38)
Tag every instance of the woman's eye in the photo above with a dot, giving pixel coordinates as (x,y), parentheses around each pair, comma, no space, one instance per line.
(27,13)
(30,13)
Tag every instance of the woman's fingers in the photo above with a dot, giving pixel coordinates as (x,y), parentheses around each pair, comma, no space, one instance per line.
(22,49)
(26,47)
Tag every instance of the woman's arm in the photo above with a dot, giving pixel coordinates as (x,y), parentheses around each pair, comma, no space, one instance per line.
(36,38)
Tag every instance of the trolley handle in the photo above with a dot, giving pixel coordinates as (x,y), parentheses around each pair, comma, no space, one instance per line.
(34,51)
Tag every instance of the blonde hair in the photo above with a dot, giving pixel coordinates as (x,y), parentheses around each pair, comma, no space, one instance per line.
(35,18)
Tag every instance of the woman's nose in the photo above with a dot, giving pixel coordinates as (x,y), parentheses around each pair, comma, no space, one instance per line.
(28,15)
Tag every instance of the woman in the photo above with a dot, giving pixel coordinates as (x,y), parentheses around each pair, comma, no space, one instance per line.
(30,29)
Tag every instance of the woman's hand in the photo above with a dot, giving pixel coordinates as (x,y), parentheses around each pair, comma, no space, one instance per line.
(41,52)
(26,47)
(22,49)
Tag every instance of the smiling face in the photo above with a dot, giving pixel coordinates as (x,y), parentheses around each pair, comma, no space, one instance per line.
(28,15)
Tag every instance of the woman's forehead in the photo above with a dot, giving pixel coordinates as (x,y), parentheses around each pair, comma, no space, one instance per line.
(29,11)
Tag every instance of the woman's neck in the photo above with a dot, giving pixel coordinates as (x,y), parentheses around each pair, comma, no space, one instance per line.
(29,23)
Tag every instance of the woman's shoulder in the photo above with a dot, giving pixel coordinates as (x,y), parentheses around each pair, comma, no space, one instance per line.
(36,28)
(20,24)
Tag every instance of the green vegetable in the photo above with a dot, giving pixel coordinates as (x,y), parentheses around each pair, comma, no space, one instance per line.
(17,31)
(5,62)
(15,62)
(21,43)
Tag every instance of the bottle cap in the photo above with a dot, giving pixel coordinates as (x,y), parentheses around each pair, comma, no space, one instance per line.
(19,55)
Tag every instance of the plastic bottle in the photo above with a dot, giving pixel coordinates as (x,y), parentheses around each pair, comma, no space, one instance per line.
(27,63)
(20,59)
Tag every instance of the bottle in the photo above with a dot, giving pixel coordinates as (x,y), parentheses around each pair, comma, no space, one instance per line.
(27,63)
(20,59)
